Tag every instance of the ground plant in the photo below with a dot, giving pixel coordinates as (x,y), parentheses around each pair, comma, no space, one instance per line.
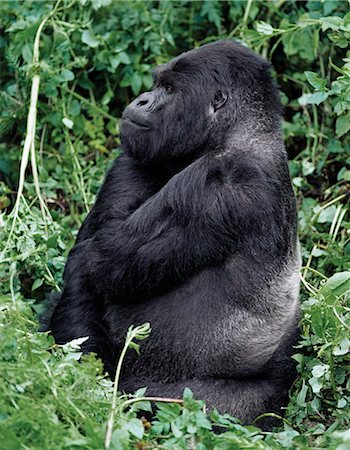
(68,69)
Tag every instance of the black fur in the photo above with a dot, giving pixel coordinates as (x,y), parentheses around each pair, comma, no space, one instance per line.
(194,230)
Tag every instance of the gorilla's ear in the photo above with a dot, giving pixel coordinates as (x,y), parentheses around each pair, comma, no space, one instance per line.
(220,99)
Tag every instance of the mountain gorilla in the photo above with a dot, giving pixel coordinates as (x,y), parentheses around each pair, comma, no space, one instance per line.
(194,230)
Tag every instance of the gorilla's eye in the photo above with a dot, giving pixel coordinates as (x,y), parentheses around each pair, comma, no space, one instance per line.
(169,89)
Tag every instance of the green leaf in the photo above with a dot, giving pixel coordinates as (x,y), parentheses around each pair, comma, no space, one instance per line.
(187,395)
(136,83)
(302,396)
(68,123)
(316,385)
(74,108)
(308,167)
(346,175)
(264,28)
(135,427)
(120,439)
(27,53)
(317,252)
(67,75)
(315,80)
(89,39)
(313,99)
(316,404)
(337,285)
(37,283)
(327,214)
(175,430)
(342,348)
(135,347)
(342,125)
(114,61)
(97,4)
(124,58)
(319,370)
(341,403)
(147,81)
(332,22)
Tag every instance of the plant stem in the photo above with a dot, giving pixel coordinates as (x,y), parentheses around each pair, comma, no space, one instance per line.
(247,11)
(140,332)
(29,143)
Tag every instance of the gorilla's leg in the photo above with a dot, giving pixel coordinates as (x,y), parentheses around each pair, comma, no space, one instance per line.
(78,313)
(244,399)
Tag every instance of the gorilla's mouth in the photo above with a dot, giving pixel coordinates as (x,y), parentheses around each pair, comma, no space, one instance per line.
(135,123)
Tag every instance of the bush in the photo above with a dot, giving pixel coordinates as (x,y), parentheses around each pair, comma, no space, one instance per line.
(73,66)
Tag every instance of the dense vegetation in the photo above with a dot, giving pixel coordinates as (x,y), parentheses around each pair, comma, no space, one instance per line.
(68,68)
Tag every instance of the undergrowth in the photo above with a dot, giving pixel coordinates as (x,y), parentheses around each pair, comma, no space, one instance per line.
(68,68)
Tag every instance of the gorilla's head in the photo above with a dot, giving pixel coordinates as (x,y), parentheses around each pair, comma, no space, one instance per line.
(197,101)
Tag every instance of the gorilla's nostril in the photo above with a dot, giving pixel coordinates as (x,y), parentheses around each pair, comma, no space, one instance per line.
(142,103)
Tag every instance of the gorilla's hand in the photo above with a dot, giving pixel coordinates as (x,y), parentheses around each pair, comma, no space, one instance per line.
(194,221)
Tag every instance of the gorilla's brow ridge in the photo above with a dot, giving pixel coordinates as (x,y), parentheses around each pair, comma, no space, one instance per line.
(164,75)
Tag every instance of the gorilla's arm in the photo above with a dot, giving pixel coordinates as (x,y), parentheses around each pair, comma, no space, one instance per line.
(193,222)
(126,187)
(77,312)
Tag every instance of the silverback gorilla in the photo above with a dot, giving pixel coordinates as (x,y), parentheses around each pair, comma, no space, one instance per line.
(194,230)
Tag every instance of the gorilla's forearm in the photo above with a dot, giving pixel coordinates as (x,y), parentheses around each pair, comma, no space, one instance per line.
(194,221)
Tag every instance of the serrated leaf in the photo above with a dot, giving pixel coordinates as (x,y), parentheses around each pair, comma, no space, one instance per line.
(75,344)
(331,22)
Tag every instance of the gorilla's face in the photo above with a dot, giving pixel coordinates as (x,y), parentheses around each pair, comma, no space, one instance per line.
(194,103)
(174,119)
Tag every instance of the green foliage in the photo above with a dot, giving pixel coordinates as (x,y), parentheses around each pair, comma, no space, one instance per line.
(94,57)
